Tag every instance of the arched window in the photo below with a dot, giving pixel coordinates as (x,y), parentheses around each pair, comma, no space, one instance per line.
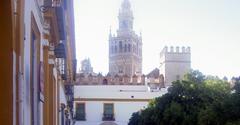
(129,48)
(134,49)
(116,49)
(125,48)
(120,46)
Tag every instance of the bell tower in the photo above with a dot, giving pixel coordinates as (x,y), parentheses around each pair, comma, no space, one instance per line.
(125,49)
(125,17)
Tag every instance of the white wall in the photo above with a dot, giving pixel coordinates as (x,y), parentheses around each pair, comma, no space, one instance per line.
(124,104)
(115,91)
(122,111)
(174,63)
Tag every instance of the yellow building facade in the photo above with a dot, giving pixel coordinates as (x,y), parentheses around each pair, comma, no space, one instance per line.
(39,63)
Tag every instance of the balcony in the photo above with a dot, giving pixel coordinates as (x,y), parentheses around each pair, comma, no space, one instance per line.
(60,14)
(62,66)
(80,117)
(108,117)
(60,51)
(60,54)
(56,8)
(70,97)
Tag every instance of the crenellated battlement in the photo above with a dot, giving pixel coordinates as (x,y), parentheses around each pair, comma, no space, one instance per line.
(175,54)
(118,79)
(176,49)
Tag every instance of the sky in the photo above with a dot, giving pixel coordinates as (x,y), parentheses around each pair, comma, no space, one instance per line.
(210,27)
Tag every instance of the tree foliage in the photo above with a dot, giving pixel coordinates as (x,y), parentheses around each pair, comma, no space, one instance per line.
(195,100)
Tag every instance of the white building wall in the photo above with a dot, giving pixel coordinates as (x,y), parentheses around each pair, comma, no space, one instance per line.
(122,111)
(127,99)
(175,71)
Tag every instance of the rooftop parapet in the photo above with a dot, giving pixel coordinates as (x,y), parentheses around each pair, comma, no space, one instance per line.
(88,79)
(176,49)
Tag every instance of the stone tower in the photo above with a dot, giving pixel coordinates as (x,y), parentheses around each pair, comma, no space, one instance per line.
(174,63)
(86,66)
(125,49)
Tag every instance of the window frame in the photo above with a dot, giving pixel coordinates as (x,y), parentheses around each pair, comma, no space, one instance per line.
(113,112)
(76,108)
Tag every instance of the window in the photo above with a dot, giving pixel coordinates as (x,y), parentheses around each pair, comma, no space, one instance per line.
(125,48)
(80,112)
(108,114)
(124,24)
(134,49)
(116,49)
(129,48)
(120,46)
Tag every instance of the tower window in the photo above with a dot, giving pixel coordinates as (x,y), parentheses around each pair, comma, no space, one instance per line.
(125,48)
(129,48)
(120,46)
(134,49)
(116,49)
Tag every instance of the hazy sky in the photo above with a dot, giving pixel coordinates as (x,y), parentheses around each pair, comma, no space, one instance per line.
(210,27)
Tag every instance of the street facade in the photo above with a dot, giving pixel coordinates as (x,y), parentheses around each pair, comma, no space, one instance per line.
(40,62)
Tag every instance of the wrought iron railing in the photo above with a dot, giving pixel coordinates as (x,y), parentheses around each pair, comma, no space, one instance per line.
(80,116)
(108,117)
(70,97)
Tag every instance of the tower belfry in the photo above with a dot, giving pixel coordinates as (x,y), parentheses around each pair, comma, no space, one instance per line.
(125,17)
(125,49)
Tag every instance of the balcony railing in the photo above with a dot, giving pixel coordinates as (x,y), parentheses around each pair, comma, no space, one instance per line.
(70,97)
(80,117)
(60,14)
(45,5)
(108,117)
(60,51)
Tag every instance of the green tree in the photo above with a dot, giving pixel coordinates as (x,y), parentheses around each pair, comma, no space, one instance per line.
(135,119)
(195,100)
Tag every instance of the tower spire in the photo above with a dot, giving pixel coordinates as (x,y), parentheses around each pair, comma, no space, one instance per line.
(125,16)
(126,4)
